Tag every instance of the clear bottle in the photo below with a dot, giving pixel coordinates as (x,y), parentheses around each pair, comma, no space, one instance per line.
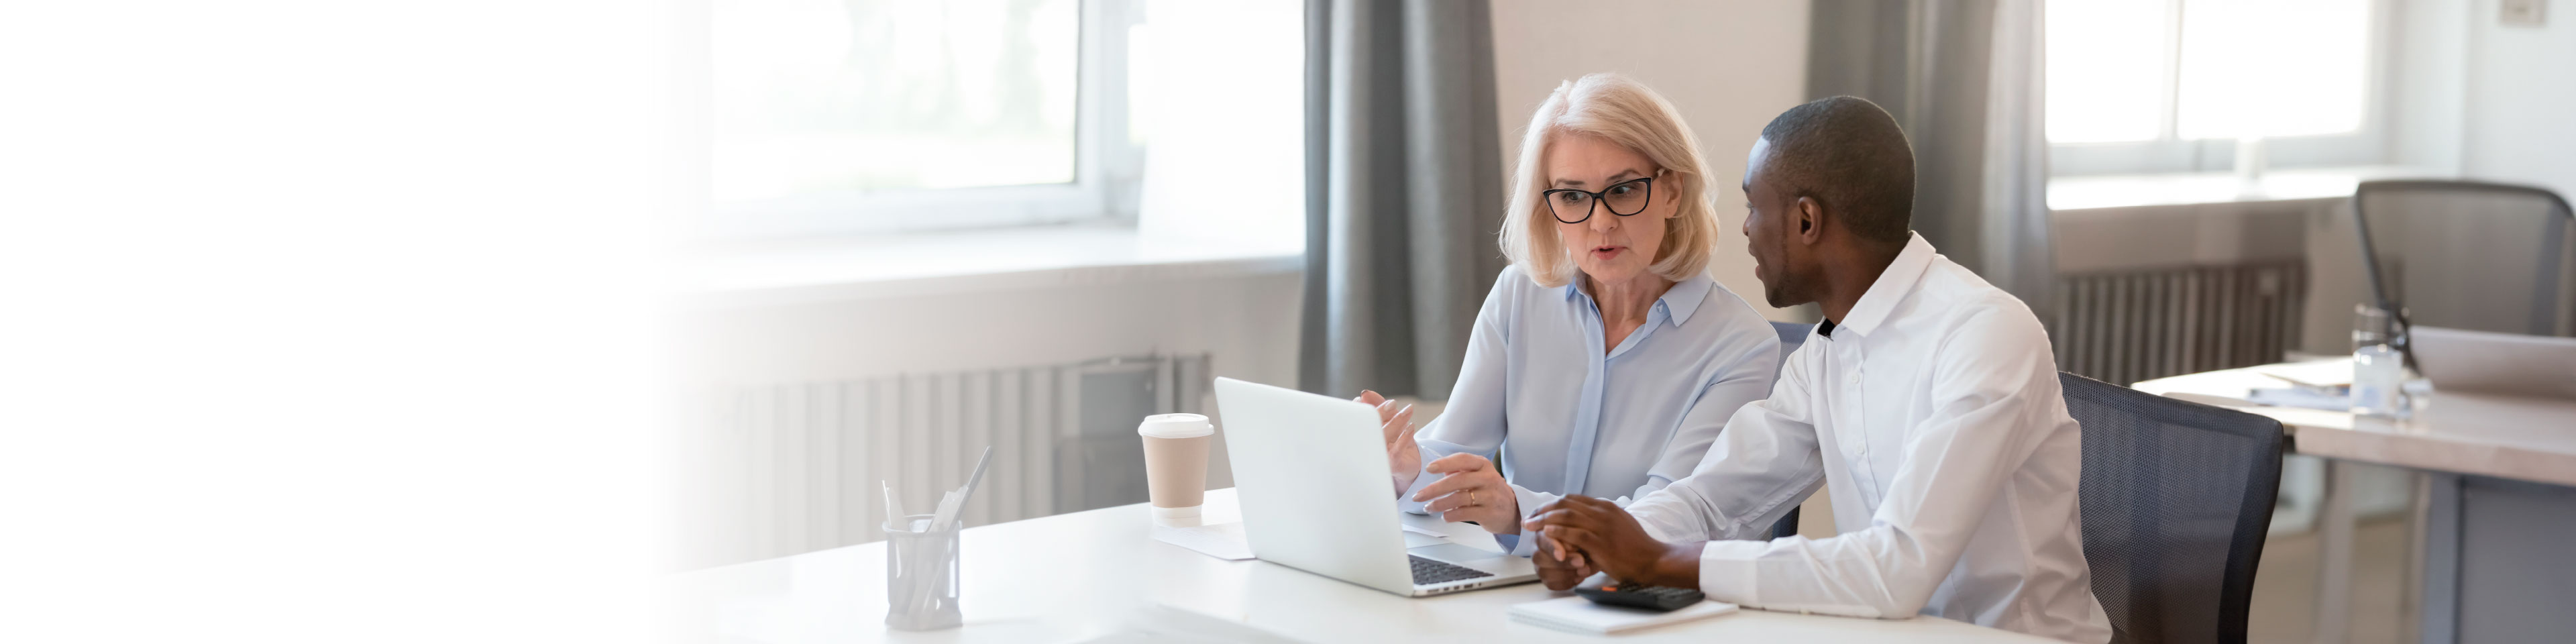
(2377,368)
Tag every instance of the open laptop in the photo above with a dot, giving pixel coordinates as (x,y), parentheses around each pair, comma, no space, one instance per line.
(2481,362)
(1310,472)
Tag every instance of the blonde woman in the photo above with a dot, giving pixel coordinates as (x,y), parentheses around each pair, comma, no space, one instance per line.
(1604,360)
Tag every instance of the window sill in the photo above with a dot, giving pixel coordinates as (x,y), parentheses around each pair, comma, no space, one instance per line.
(2287,184)
(907,264)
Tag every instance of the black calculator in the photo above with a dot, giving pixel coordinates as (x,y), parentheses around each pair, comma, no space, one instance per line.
(1654,598)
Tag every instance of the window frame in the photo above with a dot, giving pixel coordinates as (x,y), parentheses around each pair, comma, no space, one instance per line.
(1105,187)
(2168,153)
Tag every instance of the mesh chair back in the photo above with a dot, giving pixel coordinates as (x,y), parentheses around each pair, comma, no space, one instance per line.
(2176,499)
(1792,335)
(2470,255)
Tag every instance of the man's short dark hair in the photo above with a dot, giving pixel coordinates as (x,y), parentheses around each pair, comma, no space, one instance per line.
(1850,156)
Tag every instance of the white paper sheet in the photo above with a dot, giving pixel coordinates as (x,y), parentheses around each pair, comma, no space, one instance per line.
(1222,541)
(1417,539)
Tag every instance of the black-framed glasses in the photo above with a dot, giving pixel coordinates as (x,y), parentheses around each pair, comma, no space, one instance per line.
(1623,199)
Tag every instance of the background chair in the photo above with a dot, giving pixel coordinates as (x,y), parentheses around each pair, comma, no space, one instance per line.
(2469,255)
(1792,334)
(2177,498)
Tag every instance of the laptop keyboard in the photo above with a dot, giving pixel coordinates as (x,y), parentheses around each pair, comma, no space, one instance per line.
(1427,571)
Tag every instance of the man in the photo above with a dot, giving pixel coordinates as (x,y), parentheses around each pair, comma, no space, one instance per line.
(1927,400)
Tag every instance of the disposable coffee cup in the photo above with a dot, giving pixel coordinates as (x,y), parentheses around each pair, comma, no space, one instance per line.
(1176,456)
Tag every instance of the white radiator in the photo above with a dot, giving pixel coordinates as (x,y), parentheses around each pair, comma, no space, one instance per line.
(776,470)
(2126,326)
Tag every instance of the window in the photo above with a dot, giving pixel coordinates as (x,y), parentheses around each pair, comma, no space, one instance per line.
(2143,86)
(837,116)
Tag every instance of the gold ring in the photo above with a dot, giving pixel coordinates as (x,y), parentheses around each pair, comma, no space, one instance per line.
(1471,497)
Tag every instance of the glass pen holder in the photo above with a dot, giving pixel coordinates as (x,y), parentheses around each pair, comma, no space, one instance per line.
(921,575)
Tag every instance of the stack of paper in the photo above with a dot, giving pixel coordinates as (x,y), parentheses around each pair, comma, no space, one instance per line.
(2301,397)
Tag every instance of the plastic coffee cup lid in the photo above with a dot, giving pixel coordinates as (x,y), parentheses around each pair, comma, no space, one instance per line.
(1174,426)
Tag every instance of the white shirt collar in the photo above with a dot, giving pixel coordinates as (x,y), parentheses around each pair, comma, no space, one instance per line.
(1892,286)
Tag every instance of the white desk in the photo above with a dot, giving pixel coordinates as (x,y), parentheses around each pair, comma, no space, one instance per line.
(1081,576)
(2512,438)
(2494,507)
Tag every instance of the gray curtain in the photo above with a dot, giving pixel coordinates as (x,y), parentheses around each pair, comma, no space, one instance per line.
(1966,80)
(1403,192)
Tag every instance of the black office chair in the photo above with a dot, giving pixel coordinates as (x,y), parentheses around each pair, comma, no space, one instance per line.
(2177,497)
(1792,334)
(2469,255)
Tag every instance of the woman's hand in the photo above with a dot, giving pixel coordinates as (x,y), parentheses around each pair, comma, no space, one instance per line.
(1602,536)
(1471,490)
(1559,574)
(1403,456)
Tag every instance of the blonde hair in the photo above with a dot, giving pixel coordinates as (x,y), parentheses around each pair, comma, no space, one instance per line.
(1625,112)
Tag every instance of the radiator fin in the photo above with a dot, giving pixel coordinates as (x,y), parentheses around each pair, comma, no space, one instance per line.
(780,469)
(2127,326)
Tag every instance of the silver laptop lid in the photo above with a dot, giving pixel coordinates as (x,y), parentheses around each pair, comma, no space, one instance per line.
(2481,362)
(1310,472)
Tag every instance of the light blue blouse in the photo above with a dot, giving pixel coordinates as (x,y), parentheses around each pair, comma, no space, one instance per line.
(1571,418)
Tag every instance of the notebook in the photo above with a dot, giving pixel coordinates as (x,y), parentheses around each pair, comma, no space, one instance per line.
(1579,615)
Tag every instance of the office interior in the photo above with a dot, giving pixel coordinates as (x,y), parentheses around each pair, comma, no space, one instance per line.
(2137,209)
(694,284)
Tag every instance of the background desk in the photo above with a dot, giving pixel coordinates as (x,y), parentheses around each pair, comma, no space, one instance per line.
(2494,510)
(1080,576)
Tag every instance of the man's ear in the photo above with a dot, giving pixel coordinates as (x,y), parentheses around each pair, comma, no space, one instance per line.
(1810,220)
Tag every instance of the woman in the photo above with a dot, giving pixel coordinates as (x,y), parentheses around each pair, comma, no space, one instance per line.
(1605,360)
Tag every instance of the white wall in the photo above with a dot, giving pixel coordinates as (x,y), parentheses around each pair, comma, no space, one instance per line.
(2430,64)
(2521,95)
(1730,65)
(1248,322)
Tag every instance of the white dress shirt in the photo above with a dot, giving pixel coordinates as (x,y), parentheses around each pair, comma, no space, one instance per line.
(1932,412)
(1571,416)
